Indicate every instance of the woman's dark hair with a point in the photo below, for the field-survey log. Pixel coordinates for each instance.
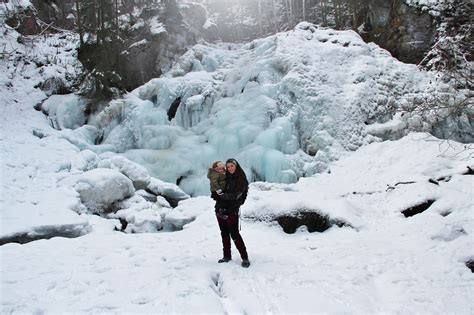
(242, 182)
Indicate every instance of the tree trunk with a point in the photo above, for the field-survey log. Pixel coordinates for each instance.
(79, 23)
(304, 10)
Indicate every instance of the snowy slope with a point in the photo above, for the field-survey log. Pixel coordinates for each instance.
(33, 158)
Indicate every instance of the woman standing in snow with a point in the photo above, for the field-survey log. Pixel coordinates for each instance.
(227, 210)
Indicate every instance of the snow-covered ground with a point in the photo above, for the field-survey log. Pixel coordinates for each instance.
(379, 262)
(384, 263)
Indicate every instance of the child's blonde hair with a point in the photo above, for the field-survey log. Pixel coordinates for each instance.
(217, 164)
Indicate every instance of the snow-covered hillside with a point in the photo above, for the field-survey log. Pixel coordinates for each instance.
(273, 104)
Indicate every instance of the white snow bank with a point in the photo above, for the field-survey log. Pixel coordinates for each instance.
(379, 180)
(41, 213)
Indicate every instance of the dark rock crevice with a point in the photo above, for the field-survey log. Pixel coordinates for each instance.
(46, 232)
(469, 171)
(174, 108)
(314, 221)
(470, 265)
(418, 208)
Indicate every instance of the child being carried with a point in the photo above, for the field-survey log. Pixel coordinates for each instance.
(216, 175)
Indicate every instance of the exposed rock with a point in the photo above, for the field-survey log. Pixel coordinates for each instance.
(49, 15)
(196, 17)
(24, 22)
(55, 85)
(144, 51)
(174, 108)
(407, 32)
(470, 265)
(418, 208)
(59, 12)
(469, 171)
(314, 221)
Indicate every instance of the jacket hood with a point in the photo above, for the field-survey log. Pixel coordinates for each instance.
(209, 172)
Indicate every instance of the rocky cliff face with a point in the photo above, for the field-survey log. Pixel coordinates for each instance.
(145, 49)
(406, 31)
(148, 46)
(145, 46)
(146, 43)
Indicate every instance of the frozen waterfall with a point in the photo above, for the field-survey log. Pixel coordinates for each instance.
(284, 106)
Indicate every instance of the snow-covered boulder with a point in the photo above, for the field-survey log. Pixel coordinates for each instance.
(85, 161)
(100, 188)
(55, 85)
(171, 191)
(86, 137)
(138, 215)
(146, 195)
(187, 211)
(135, 172)
(65, 111)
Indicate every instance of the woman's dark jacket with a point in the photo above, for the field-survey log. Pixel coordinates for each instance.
(235, 192)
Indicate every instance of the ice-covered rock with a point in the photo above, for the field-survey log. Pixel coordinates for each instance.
(85, 138)
(65, 111)
(86, 160)
(138, 215)
(100, 188)
(187, 211)
(146, 195)
(170, 191)
(135, 172)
